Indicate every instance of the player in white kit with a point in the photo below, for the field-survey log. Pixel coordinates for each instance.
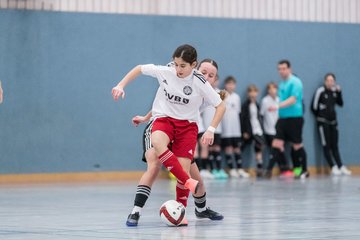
(215, 159)
(175, 111)
(269, 122)
(231, 130)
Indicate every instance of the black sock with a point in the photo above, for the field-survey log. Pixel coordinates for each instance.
(204, 163)
(229, 161)
(218, 159)
(295, 159)
(200, 202)
(238, 160)
(198, 163)
(211, 160)
(142, 194)
(275, 157)
(300, 156)
(283, 163)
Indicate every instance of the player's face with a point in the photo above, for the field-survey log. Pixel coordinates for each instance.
(209, 71)
(253, 95)
(230, 87)
(272, 91)
(284, 71)
(183, 69)
(329, 82)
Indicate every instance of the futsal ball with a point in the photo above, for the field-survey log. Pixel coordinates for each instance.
(172, 213)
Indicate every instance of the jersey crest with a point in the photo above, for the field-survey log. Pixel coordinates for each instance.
(187, 90)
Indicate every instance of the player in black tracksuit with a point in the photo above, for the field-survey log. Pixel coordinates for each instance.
(323, 106)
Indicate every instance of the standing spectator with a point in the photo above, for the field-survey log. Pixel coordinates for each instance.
(251, 127)
(323, 106)
(290, 124)
(231, 130)
(269, 122)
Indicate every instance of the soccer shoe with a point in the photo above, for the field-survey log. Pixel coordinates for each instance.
(259, 172)
(287, 174)
(184, 223)
(243, 174)
(133, 219)
(304, 175)
(206, 174)
(268, 174)
(192, 185)
(345, 171)
(208, 213)
(335, 171)
(297, 171)
(222, 174)
(216, 174)
(233, 173)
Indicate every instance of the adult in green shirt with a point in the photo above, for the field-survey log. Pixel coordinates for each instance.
(290, 123)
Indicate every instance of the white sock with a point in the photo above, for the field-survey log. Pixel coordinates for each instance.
(136, 209)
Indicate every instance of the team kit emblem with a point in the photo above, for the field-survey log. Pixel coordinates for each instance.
(187, 90)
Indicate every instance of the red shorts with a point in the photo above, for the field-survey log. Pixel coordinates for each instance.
(182, 134)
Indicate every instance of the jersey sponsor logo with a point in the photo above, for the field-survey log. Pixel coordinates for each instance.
(187, 90)
(176, 99)
(165, 82)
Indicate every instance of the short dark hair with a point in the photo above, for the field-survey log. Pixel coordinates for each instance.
(329, 74)
(186, 52)
(229, 79)
(208, 60)
(285, 61)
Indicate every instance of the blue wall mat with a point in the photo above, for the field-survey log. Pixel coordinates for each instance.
(58, 69)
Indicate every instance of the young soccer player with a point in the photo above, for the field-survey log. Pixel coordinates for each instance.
(251, 127)
(149, 176)
(231, 133)
(324, 102)
(215, 160)
(269, 122)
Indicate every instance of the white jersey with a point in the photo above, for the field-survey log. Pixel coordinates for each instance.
(179, 98)
(208, 115)
(231, 120)
(269, 118)
(200, 124)
(254, 120)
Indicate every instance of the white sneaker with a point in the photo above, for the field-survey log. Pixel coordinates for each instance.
(345, 171)
(335, 171)
(206, 174)
(233, 173)
(243, 174)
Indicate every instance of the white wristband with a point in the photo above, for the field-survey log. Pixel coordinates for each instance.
(211, 129)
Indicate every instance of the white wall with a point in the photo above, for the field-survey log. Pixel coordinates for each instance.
(341, 11)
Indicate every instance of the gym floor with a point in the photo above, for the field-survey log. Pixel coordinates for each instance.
(317, 208)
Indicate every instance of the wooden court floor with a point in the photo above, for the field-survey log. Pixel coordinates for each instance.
(317, 208)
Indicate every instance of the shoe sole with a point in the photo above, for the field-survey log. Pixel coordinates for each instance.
(131, 224)
(213, 219)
